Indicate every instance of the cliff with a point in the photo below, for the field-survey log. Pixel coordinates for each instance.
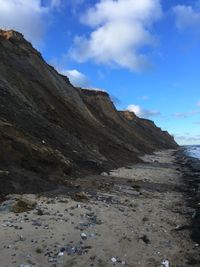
(102, 108)
(153, 135)
(50, 131)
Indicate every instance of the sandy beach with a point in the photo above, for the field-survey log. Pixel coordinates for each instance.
(133, 216)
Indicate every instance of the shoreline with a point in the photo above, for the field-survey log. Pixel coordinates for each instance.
(190, 168)
(138, 215)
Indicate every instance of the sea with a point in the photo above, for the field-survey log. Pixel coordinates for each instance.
(193, 151)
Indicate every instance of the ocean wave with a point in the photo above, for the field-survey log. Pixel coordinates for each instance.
(193, 151)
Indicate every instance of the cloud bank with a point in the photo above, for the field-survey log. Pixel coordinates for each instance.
(76, 78)
(188, 139)
(187, 17)
(120, 29)
(26, 16)
(141, 112)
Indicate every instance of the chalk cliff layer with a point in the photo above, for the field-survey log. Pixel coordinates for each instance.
(50, 130)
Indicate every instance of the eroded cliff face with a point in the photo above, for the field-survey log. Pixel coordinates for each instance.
(139, 134)
(153, 135)
(102, 108)
(50, 131)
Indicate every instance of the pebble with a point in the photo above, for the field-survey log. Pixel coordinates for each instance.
(60, 254)
(113, 259)
(165, 263)
(83, 236)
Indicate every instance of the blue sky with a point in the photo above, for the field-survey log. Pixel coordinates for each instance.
(144, 53)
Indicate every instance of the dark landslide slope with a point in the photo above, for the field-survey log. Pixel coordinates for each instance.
(51, 131)
(142, 134)
(153, 136)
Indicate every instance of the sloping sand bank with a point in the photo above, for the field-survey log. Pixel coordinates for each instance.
(133, 216)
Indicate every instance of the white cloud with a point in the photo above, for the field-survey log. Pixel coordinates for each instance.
(141, 112)
(120, 29)
(198, 103)
(187, 17)
(76, 78)
(26, 16)
(187, 140)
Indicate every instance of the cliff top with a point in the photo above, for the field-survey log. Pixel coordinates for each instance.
(11, 34)
(93, 91)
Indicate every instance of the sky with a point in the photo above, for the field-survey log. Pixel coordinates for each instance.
(145, 53)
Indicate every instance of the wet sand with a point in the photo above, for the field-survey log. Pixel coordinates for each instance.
(134, 216)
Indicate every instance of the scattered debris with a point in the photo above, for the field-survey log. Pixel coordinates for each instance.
(77, 249)
(182, 227)
(165, 263)
(83, 221)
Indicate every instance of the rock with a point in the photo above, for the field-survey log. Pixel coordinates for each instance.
(165, 263)
(40, 212)
(60, 254)
(83, 236)
(39, 250)
(145, 239)
(93, 257)
(80, 197)
(145, 219)
(114, 260)
(68, 183)
(4, 173)
(104, 173)
(23, 205)
(21, 238)
(2, 198)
